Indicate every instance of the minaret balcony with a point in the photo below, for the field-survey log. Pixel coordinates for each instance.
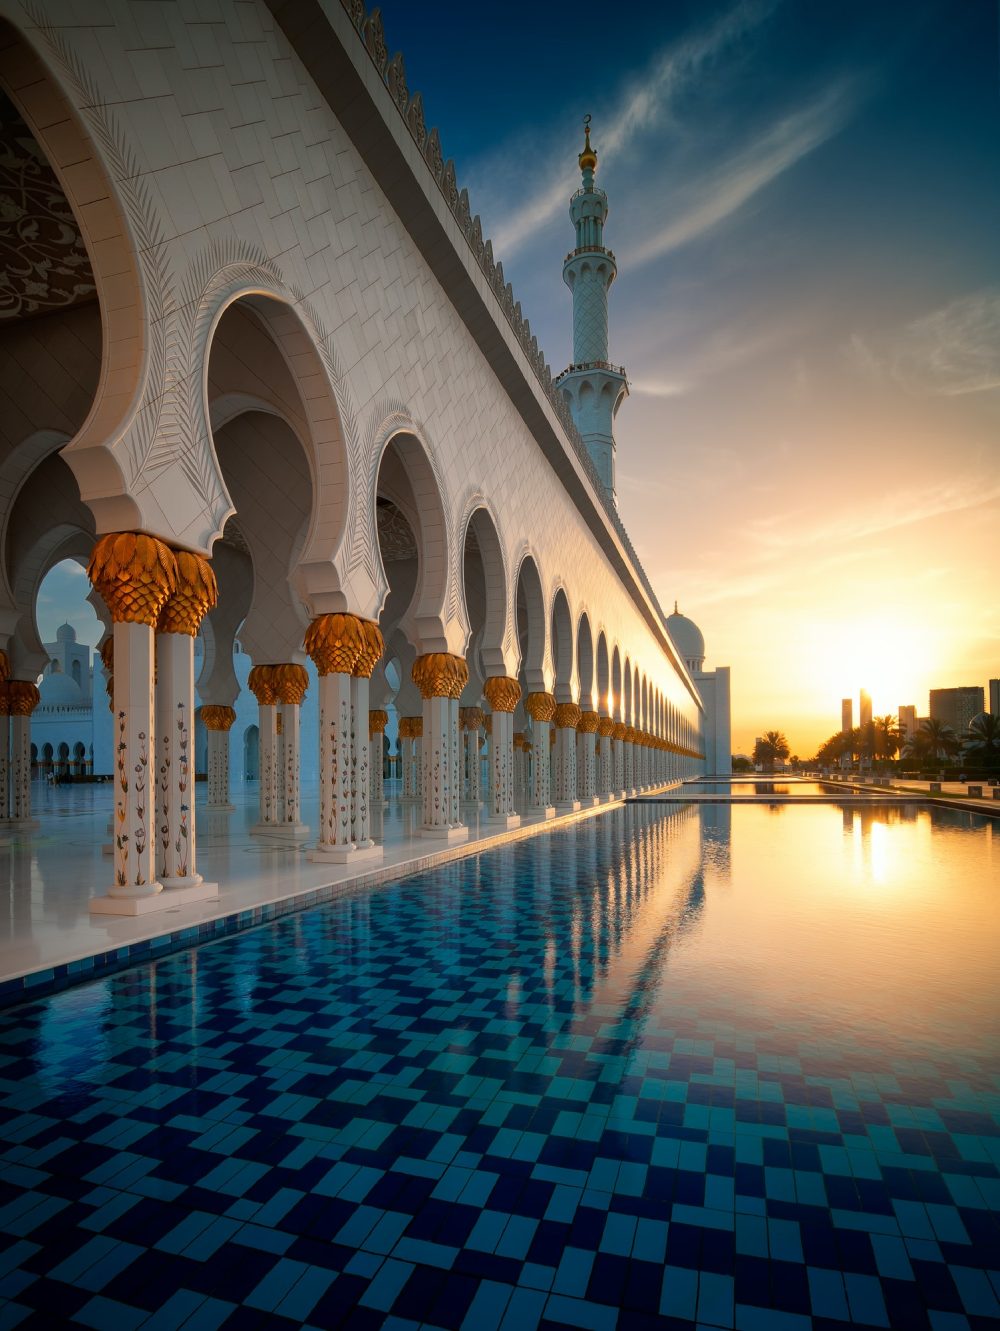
(590, 249)
(585, 367)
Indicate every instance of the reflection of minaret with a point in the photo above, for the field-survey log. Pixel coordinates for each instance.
(593, 388)
(717, 833)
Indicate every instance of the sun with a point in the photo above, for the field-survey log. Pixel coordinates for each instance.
(888, 656)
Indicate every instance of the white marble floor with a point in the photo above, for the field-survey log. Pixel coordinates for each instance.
(49, 874)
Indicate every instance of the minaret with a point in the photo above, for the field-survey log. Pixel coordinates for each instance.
(593, 388)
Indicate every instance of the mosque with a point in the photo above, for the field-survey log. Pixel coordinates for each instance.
(263, 377)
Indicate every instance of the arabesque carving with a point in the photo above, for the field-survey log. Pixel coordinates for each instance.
(378, 719)
(371, 651)
(22, 696)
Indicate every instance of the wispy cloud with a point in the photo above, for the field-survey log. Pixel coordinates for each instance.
(731, 185)
(951, 351)
(645, 103)
(657, 387)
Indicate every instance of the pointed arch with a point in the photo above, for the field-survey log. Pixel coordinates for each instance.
(530, 621)
(603, 702)
(585, 662)
(563, 648)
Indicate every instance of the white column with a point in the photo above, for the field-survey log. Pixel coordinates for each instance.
(175, 817)
(217, 760)
(629, 751)
(5, 759)
(437, 776)
(290, 751)
(606, 765)
(455, 767)
(541, 783)
(586, 773)
(566, 718)
(361, 749)
(135, 787)
(267, 730)
(502, 771)
(335, 753)
(377, 720)
(20, 770)
(618, 757)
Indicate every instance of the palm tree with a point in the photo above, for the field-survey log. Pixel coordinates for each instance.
(982, 740)
(887, 736)
(769, 747)
(933, 740)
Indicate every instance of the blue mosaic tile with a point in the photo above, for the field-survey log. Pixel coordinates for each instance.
(445, 1104)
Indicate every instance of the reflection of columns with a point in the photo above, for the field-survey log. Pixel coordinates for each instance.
(177, 626)
(541, 707)
(135, 575)
(606, 761)
(337, 644)
(586, 777)
(218, 721)
(290, 682)
(502, 694)
(411, 730)
(22, 697)
(378, 719)
(361, 745)
(618, 757)
(441, 677)
(261, 684)
(567, 717)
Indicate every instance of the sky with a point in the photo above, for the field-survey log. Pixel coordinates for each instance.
(805, 206)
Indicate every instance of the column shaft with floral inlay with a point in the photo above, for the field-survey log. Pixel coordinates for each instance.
(21, 697)
(5, 756)
(567, 717)
(260, 682)
(361, 751)
(411, 730)
(502, 693)
(471, 721)
(179, 620)
(629, 749)
(378, 719)
(135, 575)
(218, 721)
(586, 766)
(618, 757)
(290, 683)
(441, 677)
(541, 707)
(605, 758)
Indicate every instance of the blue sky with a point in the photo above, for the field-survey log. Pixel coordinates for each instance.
(805, 205)
(805, 201)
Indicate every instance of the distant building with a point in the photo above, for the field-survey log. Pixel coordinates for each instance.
(957, 707)
(715, 689)
(907, 723)
(846, 716)
(865, 709)
(63, 723)
(995, 696)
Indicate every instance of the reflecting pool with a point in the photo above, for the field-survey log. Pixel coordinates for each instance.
(676, 1065)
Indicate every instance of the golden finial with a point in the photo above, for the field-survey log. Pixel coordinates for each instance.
(588, 158)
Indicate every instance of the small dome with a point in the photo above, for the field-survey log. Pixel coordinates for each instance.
(687, 638)
(65, 633)
(58, 689)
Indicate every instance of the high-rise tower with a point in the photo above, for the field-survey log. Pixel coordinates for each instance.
(593, 388)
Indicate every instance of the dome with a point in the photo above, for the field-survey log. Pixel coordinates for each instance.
(58, 689)
(65, 633)
(687, 638)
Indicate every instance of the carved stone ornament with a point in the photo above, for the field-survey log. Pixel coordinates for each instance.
(518, 739)
(588, 723)
(260, 682)
(378, 719)
(290, 682)
(135, 575)
(108, 653)
(372, 650)
(22, 697)
(567, 716)
(540, 706)
(335, 643)
(440, 675)
(411, 727)
(605, 727)
(471, 718)
(619, 730)
(4, 667)
(502, 693)
(217, 717)
(197, 592)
